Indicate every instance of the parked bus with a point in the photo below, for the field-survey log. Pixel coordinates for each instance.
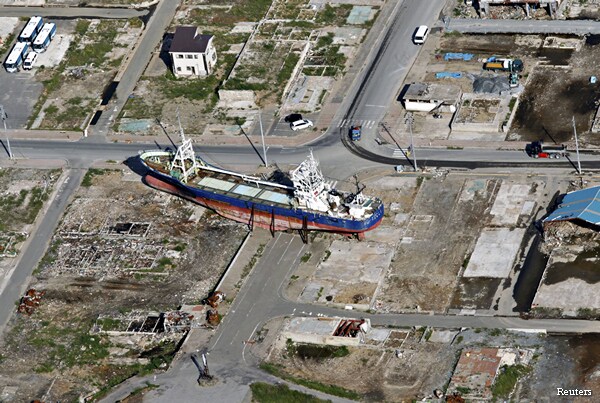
(44, 37)
(33, 27)
(16, 56)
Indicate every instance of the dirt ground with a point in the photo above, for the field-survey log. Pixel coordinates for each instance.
(56, 347)
(424, 270)
(567, 362)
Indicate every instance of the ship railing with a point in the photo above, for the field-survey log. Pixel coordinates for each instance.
(247, 178)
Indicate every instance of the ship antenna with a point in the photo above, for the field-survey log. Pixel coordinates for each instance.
(184, 164)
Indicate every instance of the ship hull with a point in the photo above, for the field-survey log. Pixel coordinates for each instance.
(262, 215)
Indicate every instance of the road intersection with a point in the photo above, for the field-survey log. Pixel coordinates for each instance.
(261, 297)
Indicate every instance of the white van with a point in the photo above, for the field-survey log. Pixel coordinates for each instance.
(420, 35)
(30, 60)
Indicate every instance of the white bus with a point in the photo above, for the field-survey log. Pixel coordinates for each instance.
(34, 25)
(44, 37)
(16, 56)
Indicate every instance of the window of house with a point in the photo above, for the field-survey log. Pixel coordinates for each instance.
(189, 68)
(188, 56)
(195, 56)
(178, 68)
(180, 56)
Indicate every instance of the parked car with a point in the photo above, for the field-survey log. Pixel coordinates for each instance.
(301, 124)
(30, 60)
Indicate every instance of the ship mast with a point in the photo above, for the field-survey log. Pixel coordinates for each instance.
(184, 163)
(310, 184)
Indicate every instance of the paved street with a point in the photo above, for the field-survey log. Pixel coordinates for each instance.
(572, 27)
(71, 12)
(261, 299)
(151, 37)
(14, 285)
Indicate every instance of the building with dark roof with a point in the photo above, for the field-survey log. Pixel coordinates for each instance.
(192, 54)
(580, 206)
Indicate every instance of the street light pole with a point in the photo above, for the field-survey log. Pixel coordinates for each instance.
(262, 136)
(409, 120)
(3, 117)
(576, 147)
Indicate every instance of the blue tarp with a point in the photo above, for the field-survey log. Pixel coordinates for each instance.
(583, 204)
(448, 74)
(458, 56)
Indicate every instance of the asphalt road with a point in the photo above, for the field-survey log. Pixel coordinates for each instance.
(489, 26)
(260, 299)
(157, 26)
(392, 61)
(72, 12)
(13, 287)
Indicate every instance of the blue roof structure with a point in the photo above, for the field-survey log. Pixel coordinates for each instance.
(581, 204)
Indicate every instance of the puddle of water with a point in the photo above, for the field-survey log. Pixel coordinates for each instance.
(587, 348)
(586, 267)
(592, 40)
(529, 277)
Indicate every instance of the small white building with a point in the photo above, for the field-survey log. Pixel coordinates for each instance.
(425, 97)
(192, 54)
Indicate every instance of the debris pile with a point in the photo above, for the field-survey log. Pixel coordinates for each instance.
(215, 299)
(30, 301)
(178, 321)
(212, 317)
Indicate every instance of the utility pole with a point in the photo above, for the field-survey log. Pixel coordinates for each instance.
(576, 147)
(409, 120)
(262, 136)
(4, 117)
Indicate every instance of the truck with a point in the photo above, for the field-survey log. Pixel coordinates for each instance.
(503, 65)
(538, 149)
(355, 133)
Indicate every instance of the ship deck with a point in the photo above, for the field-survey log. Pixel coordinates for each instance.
(234, 186)
(243, 189)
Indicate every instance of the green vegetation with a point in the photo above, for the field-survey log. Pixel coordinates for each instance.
(67, 347)
(327, 254)
(108, 324)
(21, 208)
(89, 175)
(306, 257)
(463, 390)
(101, 42)
(242, 10)
(251, 264)
(4, 48)
(315, 351)
(331, 15)
(267, 393)
(277, 370)
(507, 379)
(459, 339)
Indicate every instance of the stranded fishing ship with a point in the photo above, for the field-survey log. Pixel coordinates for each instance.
(302, 201)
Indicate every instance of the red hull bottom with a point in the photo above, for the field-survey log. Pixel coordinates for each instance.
(247, 216)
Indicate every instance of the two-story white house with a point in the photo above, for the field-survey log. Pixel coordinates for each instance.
(192, 54)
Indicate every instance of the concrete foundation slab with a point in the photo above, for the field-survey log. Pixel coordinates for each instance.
(495, 253)
(509, 203)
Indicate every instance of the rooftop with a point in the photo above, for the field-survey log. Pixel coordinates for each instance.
(187, 39)
(432, 91)
(581, 204)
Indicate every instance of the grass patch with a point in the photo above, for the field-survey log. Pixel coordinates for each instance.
(89, 176)
(507, 379)
(306, 257)
(21, 208)
(4, 48)
(267, 393)
(277, 370)
(318, 352)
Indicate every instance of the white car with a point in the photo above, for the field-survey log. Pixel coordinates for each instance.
(301, 124)
(29, 60)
